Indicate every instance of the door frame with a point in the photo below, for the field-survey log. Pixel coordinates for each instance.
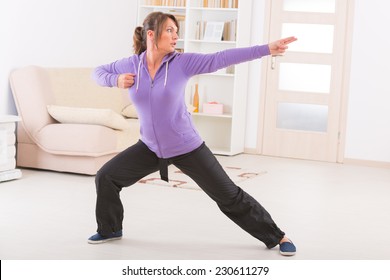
(346, 69)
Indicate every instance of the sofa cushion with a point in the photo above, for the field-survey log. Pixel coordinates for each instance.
(75, 115)
(78, 139)
(130, 112)
(130, 136)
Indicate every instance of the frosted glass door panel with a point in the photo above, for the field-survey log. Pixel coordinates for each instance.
(314, 78)
(316, 38)
(314, 6)
(307, 117)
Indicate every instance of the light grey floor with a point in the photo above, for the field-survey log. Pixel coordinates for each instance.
(330, 211)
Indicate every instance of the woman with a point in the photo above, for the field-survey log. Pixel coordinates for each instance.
(156, 77)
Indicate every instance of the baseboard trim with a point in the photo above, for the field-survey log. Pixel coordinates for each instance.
(370, 163)
(351, 161)
(252, 151)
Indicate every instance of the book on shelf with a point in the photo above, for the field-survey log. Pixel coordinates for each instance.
(181, 20)
(230, 31)
(200, 29)
(230, 4)
(173, 3)
(211, 30)
(230, 69)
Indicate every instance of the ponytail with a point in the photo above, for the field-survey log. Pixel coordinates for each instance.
(139, 40)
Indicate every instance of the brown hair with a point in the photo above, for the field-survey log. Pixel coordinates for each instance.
(155, 22)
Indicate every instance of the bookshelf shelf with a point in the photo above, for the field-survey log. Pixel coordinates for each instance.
(227, 116)
(219, 75)
(212, 42)
(170, 8)
(234, 10)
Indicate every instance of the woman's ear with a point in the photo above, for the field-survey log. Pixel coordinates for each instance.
(150, 37)
(150, 34)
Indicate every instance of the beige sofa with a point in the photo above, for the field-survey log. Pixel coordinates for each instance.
(85, 127)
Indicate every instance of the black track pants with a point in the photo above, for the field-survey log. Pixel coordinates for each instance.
(137, 161)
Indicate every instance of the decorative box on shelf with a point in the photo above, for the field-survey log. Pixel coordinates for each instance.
(8, 149)
(213, 108)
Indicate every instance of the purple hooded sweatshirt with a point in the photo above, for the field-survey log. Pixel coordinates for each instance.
(166, 126)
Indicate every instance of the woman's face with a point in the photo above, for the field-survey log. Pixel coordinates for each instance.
(168, 39)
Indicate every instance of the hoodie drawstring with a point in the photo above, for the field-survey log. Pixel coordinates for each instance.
(139, 71)
(166, 73)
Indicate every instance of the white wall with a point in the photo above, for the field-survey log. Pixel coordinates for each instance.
(368, 126)
(62, 33)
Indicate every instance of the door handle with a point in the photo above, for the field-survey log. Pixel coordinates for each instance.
(273, 61)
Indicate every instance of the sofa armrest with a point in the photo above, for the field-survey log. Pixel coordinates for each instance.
(32, 91)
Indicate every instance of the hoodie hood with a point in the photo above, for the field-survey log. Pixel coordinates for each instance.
(142, 63)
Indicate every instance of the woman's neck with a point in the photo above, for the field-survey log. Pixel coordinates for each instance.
(154, 58)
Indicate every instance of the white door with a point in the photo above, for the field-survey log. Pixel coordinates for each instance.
(304, 86)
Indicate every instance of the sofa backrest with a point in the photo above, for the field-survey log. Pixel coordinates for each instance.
(31, 89)
(75, 87)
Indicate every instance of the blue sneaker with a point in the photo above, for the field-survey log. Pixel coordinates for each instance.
(287, 248)
(98, 238)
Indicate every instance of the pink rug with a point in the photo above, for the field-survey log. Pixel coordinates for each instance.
(178, 179)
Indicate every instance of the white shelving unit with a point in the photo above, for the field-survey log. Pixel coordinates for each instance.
(8, 148)
(224, 134)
